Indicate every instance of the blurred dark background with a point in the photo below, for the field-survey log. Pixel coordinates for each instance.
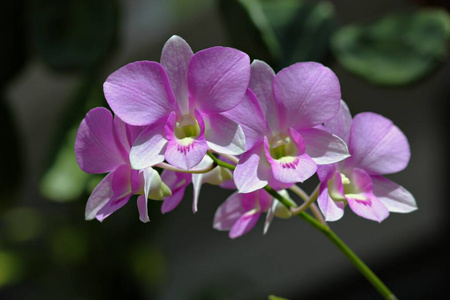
(391, 58)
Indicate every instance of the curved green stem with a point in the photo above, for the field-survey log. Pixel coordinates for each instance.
(354, 259)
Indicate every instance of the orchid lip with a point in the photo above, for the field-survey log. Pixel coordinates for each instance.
(282, 148)
(187, 128)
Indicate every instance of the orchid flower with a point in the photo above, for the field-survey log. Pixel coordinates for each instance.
(102, 145)
(377, 147)
(240, 212)
(181, 102)
(287, 143)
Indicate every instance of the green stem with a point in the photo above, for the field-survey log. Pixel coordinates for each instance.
(354, 259)
(220, 162)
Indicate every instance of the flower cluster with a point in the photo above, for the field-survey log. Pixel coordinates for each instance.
(190, 110)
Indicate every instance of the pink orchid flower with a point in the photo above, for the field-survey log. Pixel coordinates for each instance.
(181, 101)
(102, 145)
(377, 147)
(284, 142)
(240, 212)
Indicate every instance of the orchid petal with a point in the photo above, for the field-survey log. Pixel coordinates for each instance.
(325, 172)
(255, 127)
(111, 207)
(142, 208)
(323, 147)
(261, 83)
(95, 147)
(115, 185)
(151, 178)
(269, 216)
(217, 79)
(175, 58)
(228, 212)
(140, 93)
(341, 123)
(331, 210)
(149, 147)
(292, 169)
(185, 153)
(121, 134)
(253, 171)
(244, 224)
(377, 145)
(307, 95)
(197, 181)
(395, 197)
(371, 208)
(177, 182)
(224, 135)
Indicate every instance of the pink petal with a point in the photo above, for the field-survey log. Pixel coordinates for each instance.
(341, 123)
(295, 168)
(261, 83)
(152, 181)
(140, 93)
(142, 208)
(217, 79)
(96, 149)
(121, 135)
(175, 58)
(224, 135)
(325, 172)
(307, 94)
(395, 197)
(331, 210)
(228, 212)
(177, 182)
(244, 224)
(185, 154)
(255, 127)
(111, 207)
(377, 145)
(323, 147)
(116, 185)
(253, 171)
(371, 208)
(149, 147)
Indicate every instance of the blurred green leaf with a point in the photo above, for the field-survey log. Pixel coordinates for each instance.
(149, 265)
(65, 181)
(11, 268)
(23, 224)
(272, 297)
(280, 32)
(69, 245)
(397, 49)
(74, 34)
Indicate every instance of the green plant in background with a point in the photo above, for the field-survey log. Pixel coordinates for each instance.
(394, 50)
(397, 49)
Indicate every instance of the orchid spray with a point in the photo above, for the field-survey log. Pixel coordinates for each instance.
(212, 117)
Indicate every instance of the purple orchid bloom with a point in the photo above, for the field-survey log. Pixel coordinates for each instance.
(284, 141)
(240, 212)
(102, 145)
(182, 102)
(377, 147)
